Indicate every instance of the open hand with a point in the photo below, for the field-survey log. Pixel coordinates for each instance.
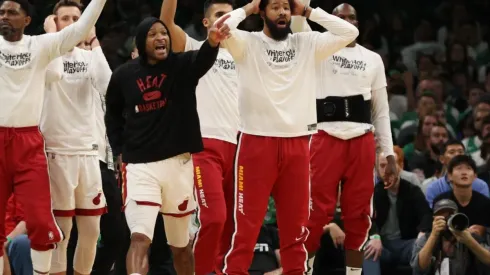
(219, 31)
(338, 236)
(463, 237)
(50, 24)
(373, 249)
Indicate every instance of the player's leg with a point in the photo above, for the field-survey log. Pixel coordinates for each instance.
(32, 189)
(229, 152)
(89, 206)
(63, 175)
(5, 190)
(255, 172)
(208, 181)
(327, 166)
(142, 202)
(178, 202)
(292, 197)
(356, 199)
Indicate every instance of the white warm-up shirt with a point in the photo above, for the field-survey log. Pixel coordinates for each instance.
(355, 71)
(69, 122)
(277, 79)
(217, 99)
(105, 150)
(23, 66)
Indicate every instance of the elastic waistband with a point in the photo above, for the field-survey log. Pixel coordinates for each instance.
(19, 129)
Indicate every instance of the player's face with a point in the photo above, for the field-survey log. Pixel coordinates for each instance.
(348, 14)
(214, 12)
(277, 18)
(157, 42)
(65, 16)
(462, 175)
(12, 18)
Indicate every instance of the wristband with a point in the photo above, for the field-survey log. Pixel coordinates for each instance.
(8, 240)
(304, 11)
(375, 237)
(92, 40)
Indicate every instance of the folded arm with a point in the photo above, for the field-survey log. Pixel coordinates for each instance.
(114, 117)
(167, 15)
(59, 43)
(340, 33)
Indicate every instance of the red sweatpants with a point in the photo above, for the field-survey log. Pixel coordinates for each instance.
(213, 178)
(24, 171)
(351, 162)
(265, 166)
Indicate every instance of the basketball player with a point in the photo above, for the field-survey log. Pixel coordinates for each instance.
(72, 145)
(351, 91)
(217, 106)
(23, 167)
(160, 126)
(276, 100)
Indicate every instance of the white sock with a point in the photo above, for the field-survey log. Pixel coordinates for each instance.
(310, 265)
(353, 270)
(1, 265)
(41, 261)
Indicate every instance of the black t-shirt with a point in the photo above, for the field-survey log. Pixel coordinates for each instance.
(476, 210)
(265, 259)
(151, 112)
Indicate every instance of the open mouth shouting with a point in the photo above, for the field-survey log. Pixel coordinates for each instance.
(282, 23)
(161, 48)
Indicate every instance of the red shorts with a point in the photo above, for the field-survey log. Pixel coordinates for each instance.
(350, 162)
(24, 171)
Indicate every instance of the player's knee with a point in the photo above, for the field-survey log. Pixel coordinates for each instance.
(182, 254)
(88, 234)
(140, 242)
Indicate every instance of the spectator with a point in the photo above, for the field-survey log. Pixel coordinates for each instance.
(18, 246)
(485, 154)
(421, 137)
(449, 251)
(427, 160)
(266, 259)
(409, 123)
(405, 175)
(399, 211)
(450, 150)
(484, 130)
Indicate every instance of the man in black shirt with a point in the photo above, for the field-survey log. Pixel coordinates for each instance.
(157, 135)
(461, 174)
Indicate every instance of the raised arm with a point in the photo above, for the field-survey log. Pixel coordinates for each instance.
(299, 23)
(167, 15)
(56, 44)
(114, 117)
(236, 43)
(381, 110)
(340, 33)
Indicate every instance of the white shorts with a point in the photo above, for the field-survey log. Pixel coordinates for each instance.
(165, 186)
(76, 185)
(168, 184)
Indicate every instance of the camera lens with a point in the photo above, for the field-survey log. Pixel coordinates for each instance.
(458, 221)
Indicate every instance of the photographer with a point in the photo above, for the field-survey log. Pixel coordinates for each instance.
(453, 247)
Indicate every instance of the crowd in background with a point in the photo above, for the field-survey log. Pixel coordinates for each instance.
(437, 61)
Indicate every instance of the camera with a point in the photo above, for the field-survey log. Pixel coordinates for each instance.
(458, 222)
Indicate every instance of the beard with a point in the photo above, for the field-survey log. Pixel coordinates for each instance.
(6, 30)
(277, 33)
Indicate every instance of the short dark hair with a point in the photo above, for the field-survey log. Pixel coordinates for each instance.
(67, 3)
(450, 143)
(209, 3)
(24, 5)
(264, 3)
(461, 159)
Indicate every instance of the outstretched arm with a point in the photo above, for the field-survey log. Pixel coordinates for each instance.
(56, 44)
(340, 32)
(114, 119)
(167, 15)
(102, 71)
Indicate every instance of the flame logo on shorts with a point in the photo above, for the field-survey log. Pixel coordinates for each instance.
(183, 206)
(96, 200)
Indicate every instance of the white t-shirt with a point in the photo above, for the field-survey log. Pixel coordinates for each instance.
(216, 95)
(23, 66)
(105, 150)
(277, 79)
(357, 71)
(69, 122)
